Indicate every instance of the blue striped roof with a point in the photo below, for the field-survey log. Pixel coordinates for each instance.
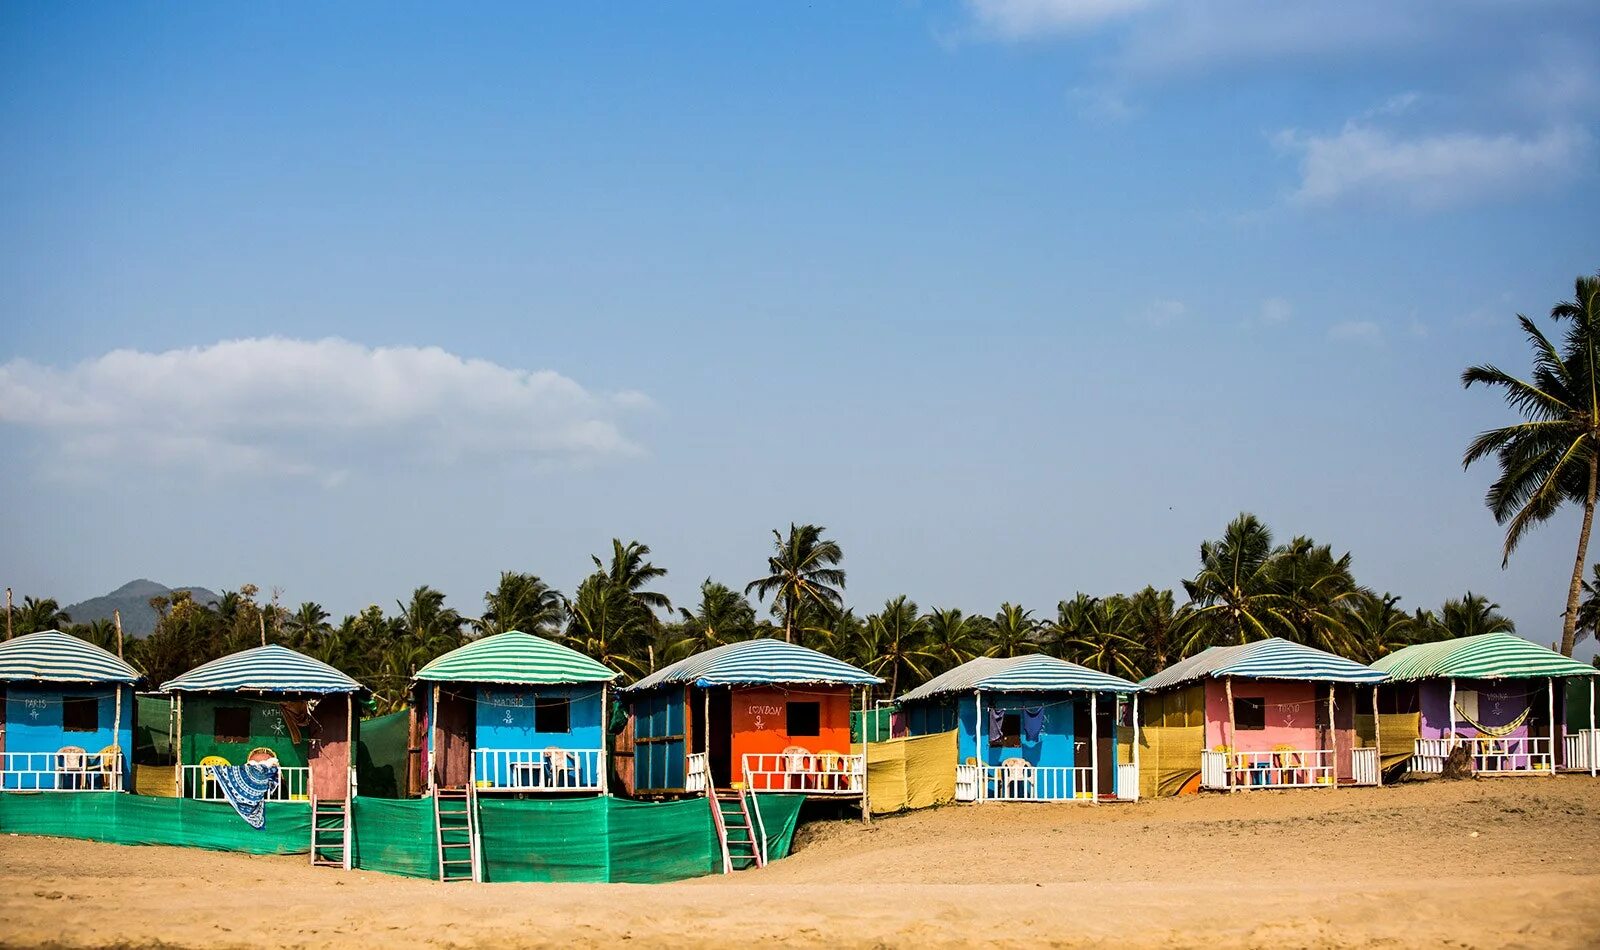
(268, 669)
(751, 662)
(1270, 659)
(51, 656)
(1034, 673)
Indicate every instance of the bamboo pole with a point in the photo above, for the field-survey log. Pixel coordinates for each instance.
(1377, 733)
(177, 745)
(8, 613)
(116, 618)
(1138, 735)
(1594, 736)
(705, 723)
(981, 733)
(261, 619)
(1333, 740)
(1452, 736)
(1550, 691)
(1094, 747)
(605, 741)
(866, 770)
(433, 740)
(1233, 731)
(116, 734)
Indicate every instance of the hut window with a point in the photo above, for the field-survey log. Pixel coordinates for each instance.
(80, 714)
(805, 719)
(231, 723)
(552, 715)
(1010, 730)
(1249, 712)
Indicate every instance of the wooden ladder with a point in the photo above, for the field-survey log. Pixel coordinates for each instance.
(740, 831)
(330, 829)
(455, 824)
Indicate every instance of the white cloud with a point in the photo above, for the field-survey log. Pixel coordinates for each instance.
(1102, 103)
(1275, 311)
(1029, 19)
(1161, 313)
(1356, 331)
(276, 406)
(1363, 162)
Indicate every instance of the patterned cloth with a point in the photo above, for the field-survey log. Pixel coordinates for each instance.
(247, 788)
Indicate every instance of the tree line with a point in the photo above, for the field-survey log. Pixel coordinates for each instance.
(1246, 587)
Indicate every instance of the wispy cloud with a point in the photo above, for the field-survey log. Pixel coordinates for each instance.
(313, 408)
(1363, 162)
(1275, 311)
(1160, 313)
(1031, 19)
(1356, 331)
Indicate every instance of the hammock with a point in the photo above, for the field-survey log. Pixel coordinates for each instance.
(247, 788)
(1494, 732)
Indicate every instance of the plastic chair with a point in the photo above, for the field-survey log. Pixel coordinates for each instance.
(797, 762)
(73, 762)
(110, 765)
(832, 770)
(208, 779)
(262, 754)
(1290, 761)
(1018, 777)
(561, 767)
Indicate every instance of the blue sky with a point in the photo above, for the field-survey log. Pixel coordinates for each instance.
(1018, 297)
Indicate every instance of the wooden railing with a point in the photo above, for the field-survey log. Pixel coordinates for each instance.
(294, 784)
(814, 773)
(1511, 755)
(537, 770)
(1280, 768)
(61, 772)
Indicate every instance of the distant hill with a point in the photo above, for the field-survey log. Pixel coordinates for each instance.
(133, 599)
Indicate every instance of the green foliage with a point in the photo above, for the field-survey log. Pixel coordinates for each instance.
(803, 575)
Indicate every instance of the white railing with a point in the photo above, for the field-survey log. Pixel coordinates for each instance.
(1364, 766)
(694, 780)
(1127, 783)
(1580, 751)
(814, 773)
(61, 772)
(1280, 768)
(1507, 756)
(294, 784)
(967, 783)
(536, 770)
(1037, 783)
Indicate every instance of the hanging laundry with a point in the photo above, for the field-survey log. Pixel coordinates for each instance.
(1032, 723)
(997, 720)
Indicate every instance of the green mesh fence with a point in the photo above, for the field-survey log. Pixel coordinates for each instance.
(137, 819)
(383, 754)
(876, 724)
(595, 840)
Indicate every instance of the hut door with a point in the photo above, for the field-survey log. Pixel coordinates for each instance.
(330, 749)
(1107, 740)
(453, 738)
(719, 737)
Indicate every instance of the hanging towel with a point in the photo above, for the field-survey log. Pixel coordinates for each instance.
(247, 788)
(1032, 723)
(997, 719)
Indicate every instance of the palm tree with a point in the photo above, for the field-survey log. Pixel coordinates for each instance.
(1013, 632)
(1376, 627)
(1316, 587)
(1235, 595)
(102, 633)
(307, 624)
(608, 626)
(802, 571)
(897, 639)
(521, 602)
(630, 572)
(1154, 622)
(38, 614)
(428, 620)
(1099, 640)
(723, 616)
(953, 637)
(1589, 610)
(1551, 457)
(1474, 614)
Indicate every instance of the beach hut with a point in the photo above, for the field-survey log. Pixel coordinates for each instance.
(66, 715)
(1268, 714)
(513, 712)
(1032, 728)
(762, 715)
(266, 702)
(1496, 694)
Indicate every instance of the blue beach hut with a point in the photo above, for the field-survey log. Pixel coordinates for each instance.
(66, 715)
(1032, 728)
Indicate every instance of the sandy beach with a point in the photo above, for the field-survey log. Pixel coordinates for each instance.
(1488, 863)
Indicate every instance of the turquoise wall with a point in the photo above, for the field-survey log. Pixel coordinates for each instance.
(33, 724)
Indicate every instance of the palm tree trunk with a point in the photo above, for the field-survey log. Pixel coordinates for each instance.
(788, 620)
(1569, 623)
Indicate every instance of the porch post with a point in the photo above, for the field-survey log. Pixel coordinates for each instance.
(978, 741)
(1550, 689)
(1333, 740)
(116, 727)
(1594, 738)
(866, 770)
(1452, 736)
(735, 769)
(1227, 764)
(177, 748)
(605, 738)
(1094, 747)
(433, 738)
(1377, 733)
(1137, 735)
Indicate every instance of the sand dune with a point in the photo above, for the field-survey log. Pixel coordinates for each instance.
(1491, 863)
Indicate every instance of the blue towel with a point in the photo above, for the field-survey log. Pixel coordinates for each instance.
(1032, 723)
(247, 788)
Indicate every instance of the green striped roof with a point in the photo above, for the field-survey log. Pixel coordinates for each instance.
(1488, 656)
(515, 657)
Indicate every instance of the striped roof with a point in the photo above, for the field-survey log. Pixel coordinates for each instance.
(751, 662)
(51, 656)
(268, 669)
(1270, 659)
(515, 657)
(1034, 673)
(1488, 656)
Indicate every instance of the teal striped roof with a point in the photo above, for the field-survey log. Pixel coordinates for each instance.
(51, 656)
(515, 657)
(754, 662)
(1488, 656)
(1034, 673)
(268, 669)
(1270, 659)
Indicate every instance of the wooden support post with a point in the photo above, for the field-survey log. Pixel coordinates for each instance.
(116, 736)
(1233, 729)
(1550, 689)
(8, 613)
(1094, 747)
(1138, 737)
(261, 619)
(1333, 740)
(1452, 734)
(350, 757)
(605, 740)
(981, 733)
(433, 741)
(866, 768)
(177, 744)
(1377, 734)
(735, 770)
(116, 620)
(1594, 736)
